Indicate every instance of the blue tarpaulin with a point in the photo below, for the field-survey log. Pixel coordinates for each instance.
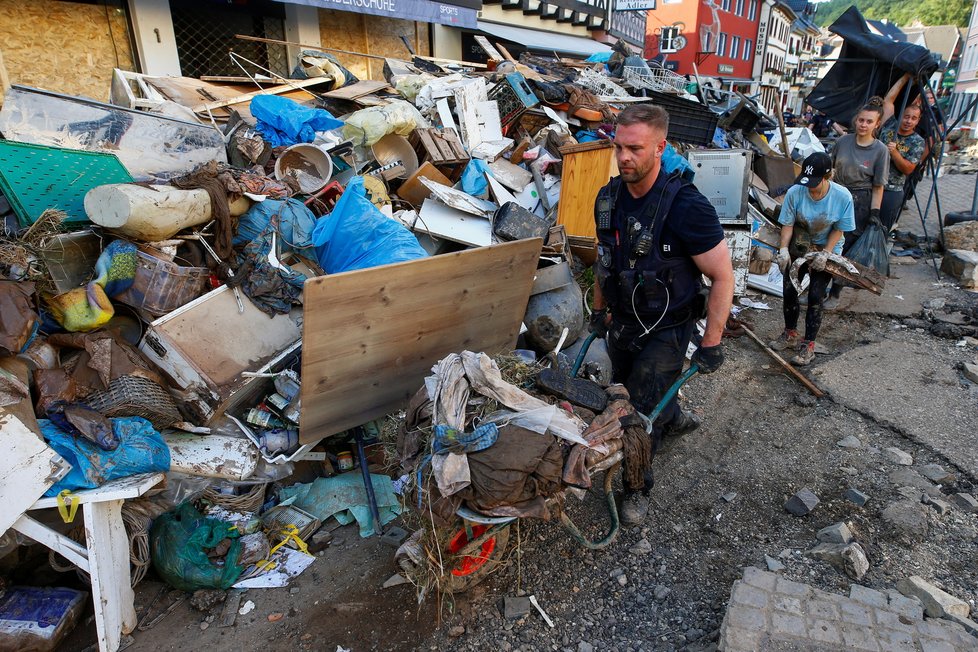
(283, 122)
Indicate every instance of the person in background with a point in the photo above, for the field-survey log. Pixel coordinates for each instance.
(861, 164)
(821, 210)
(906, 149)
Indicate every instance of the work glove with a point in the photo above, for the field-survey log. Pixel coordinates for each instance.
(817, 263)
(783, 259)
(709, 358)
(874, 216)
(599, 322)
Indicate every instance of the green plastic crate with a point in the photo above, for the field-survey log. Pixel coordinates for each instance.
(35, 178)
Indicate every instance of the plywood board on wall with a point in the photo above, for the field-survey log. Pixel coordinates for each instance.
(371, 336)
(376, 35)
(67, 47)
(586, 168)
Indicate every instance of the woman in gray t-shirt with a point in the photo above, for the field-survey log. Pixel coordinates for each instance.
(861, 164)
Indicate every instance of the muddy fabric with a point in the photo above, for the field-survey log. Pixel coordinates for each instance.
(409, 436)
(605, 427)
(517, 472)
(206, 177)
(100, 358)
(17, 316)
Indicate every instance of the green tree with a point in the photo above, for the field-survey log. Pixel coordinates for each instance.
(901, 12)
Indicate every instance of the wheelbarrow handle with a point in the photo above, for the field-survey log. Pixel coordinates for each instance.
(668, 396)
(580, 356)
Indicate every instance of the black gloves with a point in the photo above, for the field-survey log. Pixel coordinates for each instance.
(709, 358)
(874, 216)
(599, 322)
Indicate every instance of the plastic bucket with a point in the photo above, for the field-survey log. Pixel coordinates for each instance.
(393, 148)
(309, 166)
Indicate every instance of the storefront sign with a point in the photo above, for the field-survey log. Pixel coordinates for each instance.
(425, 11)
(725, 69)
(634, 5)
(761, 35)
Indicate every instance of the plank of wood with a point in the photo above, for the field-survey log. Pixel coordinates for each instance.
(414, 191)
(460, 200)
(584, 173)
(443, 221)
(586, 147)
(371, 336)
(359, 89)
(245, 37)
(487, 47)
(131, 486)
(28, 467)
(275, 90)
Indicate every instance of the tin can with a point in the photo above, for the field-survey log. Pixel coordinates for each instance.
(293, 411)
(263, 419)
(345, 460)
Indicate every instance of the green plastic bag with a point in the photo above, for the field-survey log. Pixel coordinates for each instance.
(179, 542)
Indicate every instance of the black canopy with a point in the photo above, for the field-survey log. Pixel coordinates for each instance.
(868, 65)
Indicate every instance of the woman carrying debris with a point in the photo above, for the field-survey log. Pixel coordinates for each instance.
(906, 149)
(861, 164)
(814, 216)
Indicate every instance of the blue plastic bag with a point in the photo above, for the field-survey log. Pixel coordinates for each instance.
(295, 224)
(356, 235)
(474, 178)
(283, 122)
(141, 450)
(672, 161)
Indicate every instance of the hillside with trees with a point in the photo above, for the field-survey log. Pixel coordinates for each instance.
(901, 12)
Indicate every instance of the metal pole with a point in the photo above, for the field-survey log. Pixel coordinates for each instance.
(367, 483)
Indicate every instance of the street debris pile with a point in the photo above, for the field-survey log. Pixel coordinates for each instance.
(204, 349)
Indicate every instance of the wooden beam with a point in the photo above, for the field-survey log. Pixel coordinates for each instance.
(277, 90)
(245, 37)
(784, 363)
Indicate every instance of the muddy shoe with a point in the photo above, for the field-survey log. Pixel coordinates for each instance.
(788, 340)
(634, 508)
(805, 355)
(684, 424)
(579, 391)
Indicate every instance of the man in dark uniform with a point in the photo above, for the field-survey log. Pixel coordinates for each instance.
(657, 236)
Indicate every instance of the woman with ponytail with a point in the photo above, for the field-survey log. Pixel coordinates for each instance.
(862, 164)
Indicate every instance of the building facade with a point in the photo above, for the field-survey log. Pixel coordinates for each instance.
(771, 56)
(966, 86)
(718, 37)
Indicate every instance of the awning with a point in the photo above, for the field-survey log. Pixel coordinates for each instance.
(547, 41)
(425, 11)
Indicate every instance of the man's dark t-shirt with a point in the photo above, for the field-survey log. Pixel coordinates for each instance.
(692, 227)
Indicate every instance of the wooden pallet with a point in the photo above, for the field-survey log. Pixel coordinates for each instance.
(443, 149)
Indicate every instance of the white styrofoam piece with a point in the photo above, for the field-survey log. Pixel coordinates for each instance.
(443, 221)
(499, 192)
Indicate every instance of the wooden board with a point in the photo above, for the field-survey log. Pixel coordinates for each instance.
(442, 146)
(371, 336)
(585, 171)
(28, 467)
(413, 191)
(359, 89)
(441, 221)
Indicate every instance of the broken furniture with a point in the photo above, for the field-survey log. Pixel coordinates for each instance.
(586, 168)
(105, 554)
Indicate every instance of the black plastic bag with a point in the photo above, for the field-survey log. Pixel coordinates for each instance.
(870, 249)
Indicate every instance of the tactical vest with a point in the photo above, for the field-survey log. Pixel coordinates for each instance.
(635, 276)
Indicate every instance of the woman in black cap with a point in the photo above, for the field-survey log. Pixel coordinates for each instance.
(815, 215)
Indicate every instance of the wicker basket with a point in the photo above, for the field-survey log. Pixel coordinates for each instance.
(247, 502)
(135, 396)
